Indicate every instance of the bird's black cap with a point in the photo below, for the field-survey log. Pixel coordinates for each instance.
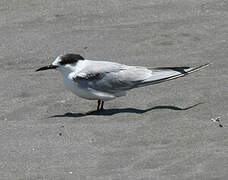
(70, 58)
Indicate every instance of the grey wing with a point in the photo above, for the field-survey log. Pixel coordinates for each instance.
(110, 77)
(111, 82)
(127, 77)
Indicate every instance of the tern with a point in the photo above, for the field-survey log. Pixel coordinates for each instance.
(104, 80)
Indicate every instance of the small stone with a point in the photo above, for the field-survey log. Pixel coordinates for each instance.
(217, 120)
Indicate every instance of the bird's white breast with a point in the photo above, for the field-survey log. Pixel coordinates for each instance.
(85, 92)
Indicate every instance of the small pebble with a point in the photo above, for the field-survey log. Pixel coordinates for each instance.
(217, 120)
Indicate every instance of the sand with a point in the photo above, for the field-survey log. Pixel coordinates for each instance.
(159, 132)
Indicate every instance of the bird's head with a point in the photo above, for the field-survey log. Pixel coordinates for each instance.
(63, 62)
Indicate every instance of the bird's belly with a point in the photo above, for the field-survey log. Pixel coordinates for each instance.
(86, 93)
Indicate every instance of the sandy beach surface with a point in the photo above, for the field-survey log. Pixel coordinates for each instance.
(160, 132)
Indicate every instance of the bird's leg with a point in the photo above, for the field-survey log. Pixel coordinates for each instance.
(98, 105)
(102, 105)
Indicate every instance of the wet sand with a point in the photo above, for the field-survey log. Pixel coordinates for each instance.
(153, 132)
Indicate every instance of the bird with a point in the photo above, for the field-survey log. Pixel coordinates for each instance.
(105, 80)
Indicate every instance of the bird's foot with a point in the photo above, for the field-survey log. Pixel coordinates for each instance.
(100, 105)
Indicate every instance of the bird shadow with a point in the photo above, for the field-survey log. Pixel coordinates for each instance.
(109, 112)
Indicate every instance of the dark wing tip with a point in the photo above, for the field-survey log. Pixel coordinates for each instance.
(178, 69)
(199, 67)
(184, 69)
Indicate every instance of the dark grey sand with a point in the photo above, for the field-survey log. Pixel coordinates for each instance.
(151, 133)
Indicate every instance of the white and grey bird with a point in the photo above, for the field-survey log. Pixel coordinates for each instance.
(103, 80)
